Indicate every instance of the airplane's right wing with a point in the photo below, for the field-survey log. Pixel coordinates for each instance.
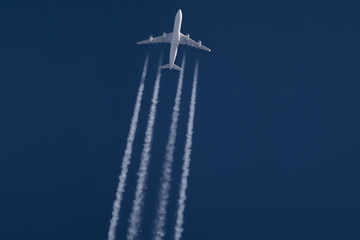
(165, 38)
(186, 40)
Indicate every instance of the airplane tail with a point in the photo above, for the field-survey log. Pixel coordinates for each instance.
(167, 66)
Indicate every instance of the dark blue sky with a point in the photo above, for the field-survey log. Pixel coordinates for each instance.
(276, 141)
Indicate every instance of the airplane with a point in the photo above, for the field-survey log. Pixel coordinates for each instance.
(175, 38)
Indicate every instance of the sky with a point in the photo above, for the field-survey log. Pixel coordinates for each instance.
(276, 137)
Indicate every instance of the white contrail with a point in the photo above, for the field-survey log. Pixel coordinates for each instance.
(186, 165)
(159, 231)
(127, 156)
(135, 216)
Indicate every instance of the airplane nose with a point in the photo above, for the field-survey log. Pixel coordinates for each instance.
(179, 12)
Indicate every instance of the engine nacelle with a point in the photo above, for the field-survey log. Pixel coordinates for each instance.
(150, 38)
(187, 36)
(199, 43)
(164, 35)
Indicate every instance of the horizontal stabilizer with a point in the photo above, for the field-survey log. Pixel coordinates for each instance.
(168, 66)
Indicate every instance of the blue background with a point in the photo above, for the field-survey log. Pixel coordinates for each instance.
(276, 143)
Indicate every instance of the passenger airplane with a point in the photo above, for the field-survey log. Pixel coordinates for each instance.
(175, 38)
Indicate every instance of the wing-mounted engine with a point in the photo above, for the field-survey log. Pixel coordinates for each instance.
(187, 36)
(199, 43)
(151, 38)
(164, 35)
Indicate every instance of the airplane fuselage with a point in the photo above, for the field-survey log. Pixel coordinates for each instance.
(175, 38)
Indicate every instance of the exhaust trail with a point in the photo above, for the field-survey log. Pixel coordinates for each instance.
(186, 165)
(135, 217)
(127, 156)
(160, 219)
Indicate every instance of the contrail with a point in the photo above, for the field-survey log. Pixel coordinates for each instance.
(186, 165)
(159, 231)
(127, 156)
(135, 217)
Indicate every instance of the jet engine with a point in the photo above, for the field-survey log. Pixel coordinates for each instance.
(199, 43)
(150, 38)
(164, 35)
(187, 36)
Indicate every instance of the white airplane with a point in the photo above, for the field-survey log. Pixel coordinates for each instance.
(175, 38)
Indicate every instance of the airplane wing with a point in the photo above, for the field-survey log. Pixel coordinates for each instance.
(164, 38)
(186, 40)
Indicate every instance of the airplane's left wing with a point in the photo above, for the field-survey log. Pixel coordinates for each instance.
(186, 40)
(164, 38)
